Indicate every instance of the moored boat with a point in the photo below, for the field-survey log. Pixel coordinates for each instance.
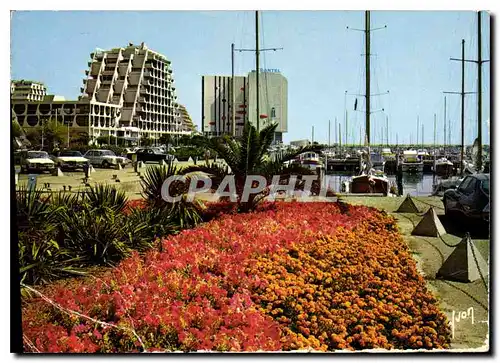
(443, 167)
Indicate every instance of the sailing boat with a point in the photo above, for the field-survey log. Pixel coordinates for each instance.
(370, 179)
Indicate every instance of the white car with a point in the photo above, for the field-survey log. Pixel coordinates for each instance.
(71, 160)
(105, 158)
(37, 161)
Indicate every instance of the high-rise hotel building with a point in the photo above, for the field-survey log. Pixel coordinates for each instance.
(141, 82)
(216, 103)
(129, 92)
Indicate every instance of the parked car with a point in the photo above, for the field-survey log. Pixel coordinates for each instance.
(105, 158)
(470, 199)
(36, 161)
(149, 154)
(70, 160)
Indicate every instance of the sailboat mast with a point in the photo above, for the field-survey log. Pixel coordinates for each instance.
(463, 109)
(233, 107)
(367, 65)
(346, 135)
(257, 67)
(340, 136)
(387, 130)
(479, 96)
(445, 125)
(329, 129)
(418, 127)
(435, 134)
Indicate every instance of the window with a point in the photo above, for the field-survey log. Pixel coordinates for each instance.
(38, 155)
(70, 153)
(468, 185)
(485, 185)
(273, 112)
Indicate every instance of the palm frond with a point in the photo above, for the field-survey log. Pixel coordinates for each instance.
(266, 137)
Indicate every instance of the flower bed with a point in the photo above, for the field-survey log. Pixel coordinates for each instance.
(290, 276)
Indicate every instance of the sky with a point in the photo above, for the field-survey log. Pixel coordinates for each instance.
(321, 60)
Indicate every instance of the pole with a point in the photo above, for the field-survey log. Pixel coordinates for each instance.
(422, 136)
(479, 96)
(340, 136)
(312, 137)
(435, 134)
(418, 127)
(233, 106)
(367, 65)
(345, 107)
(445, 126)
(257, 67)
(346, 137)
(387, 130)
(463, 109)
(329, 126)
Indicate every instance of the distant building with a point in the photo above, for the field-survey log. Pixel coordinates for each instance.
(185, 119)
(216, 103)
(27, 91)
(300, 143)
(273, 101)
(75, 114)
(216, 112)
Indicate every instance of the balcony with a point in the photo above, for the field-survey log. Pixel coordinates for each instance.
(91, 85)
(126, 114)
(102, 95)
(134, 78)
(129, 96)
(124, 69)
(95, 67)
(108, 71)
(120, 85)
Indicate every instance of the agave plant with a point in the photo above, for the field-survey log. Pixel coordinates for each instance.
(182, 213)
(96, 234)
(144, 225)
(103, 197)
(42, 261)
(34, 210)
(249, 156)
(41, 258)
(153, 181)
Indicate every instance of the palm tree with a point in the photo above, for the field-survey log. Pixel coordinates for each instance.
(249, 156)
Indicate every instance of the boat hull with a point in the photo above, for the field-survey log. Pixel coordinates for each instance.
(413, 167)
(444, 169)
(369, 184)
